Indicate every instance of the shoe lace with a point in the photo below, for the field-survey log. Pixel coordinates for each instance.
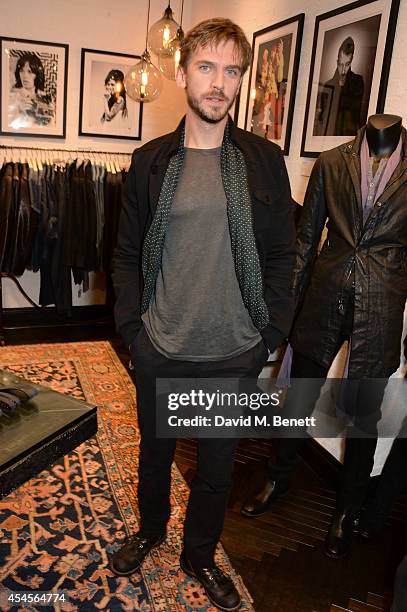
(137, 541)
(214, 574)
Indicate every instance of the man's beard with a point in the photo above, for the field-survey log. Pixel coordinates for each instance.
(214, 116)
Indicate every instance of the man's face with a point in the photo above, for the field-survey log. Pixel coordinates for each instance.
(343, 64)
(212, 79)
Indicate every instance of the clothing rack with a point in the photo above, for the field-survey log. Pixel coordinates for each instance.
(108, 158)
(114, 161)
(59, 149)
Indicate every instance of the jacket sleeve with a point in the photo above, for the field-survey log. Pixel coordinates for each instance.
(309, 230)
(279, 266)
(127, 263)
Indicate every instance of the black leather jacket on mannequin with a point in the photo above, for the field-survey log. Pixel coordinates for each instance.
(376, 252)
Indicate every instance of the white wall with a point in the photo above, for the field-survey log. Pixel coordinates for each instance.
(119, 27)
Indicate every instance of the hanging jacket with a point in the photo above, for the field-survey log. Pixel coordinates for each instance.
(19, 220)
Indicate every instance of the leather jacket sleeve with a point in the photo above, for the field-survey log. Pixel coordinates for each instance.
(127, 264)
(309, 230)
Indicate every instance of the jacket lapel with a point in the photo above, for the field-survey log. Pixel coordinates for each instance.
(155, 181)
(159, 167)
(351, 154)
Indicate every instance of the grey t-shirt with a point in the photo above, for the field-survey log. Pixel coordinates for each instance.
(197, 312)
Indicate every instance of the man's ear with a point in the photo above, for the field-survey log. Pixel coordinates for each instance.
(181, 78)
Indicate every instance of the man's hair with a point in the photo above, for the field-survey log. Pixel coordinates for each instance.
(211, 32)
(347, 47)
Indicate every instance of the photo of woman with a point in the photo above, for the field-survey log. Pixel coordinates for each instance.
(104, 108)
(115, 96)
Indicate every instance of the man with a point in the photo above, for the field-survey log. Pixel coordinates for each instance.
(202, 277)
(344, 94)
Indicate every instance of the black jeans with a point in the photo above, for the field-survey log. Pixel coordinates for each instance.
(367, 397)
(211, 485)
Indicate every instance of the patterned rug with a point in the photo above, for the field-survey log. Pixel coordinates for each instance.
(58, 530)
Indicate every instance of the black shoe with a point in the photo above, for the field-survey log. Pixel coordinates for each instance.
(219, 588)
(339, 537)
(260, 503)
(133, 552)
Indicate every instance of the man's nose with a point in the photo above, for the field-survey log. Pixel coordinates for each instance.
(218, 81)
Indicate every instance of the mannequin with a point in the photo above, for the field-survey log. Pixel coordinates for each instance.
(348, 298)
(383, 134)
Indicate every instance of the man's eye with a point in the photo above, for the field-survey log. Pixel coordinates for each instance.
(204, 68)
(232, 72)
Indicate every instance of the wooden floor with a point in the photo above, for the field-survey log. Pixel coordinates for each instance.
(279, 554)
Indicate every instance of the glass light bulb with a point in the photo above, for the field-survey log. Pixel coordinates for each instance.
(143, 82)
(161, 33)
(168, 63)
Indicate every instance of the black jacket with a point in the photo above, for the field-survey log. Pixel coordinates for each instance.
(347, 118)
(273, 225)
(18, 221)
(377, 252)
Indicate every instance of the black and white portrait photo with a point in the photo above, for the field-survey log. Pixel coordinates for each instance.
(32, 93)
(345, 78)
(33, 88)
(350, 62)
(105, 109)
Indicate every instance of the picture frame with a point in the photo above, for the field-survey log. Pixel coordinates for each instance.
(273, 80)
(33, 86)
(350, 64)
(104, 108)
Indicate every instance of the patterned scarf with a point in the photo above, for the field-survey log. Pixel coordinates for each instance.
(239, 211)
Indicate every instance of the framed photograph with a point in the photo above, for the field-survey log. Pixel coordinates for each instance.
(33, 81)
(349, 71)
(273, 81)
(105, 109)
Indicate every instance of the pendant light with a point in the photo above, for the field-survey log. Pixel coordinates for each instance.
(162, 32)
(143, 81)
(168, 63)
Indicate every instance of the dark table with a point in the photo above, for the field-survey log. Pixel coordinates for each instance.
(40, 432)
